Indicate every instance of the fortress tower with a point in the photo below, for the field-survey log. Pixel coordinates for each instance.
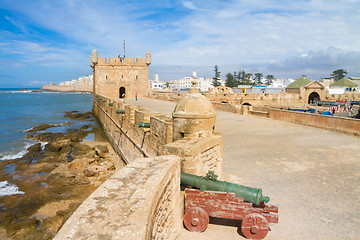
(120, 77)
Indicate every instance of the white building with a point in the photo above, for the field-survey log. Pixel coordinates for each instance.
(204, 84)
(84, 80)
(342, 86)
(156, 83)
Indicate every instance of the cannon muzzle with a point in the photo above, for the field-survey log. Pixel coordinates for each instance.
(253, 195)
(120, 111)
(144, 124)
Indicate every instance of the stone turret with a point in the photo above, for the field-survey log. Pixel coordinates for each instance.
(93, 58)
(193, 116)
(148, 58)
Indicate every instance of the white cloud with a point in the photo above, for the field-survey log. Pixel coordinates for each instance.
(189, 5)
(240, 34)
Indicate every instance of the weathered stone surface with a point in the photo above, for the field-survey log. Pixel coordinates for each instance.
(41, 127)
(101, 150)
(59, 145)
(80, 148)
(140, 201)
(127, 74)
(76, 135)
(45, 137)
(78, 116)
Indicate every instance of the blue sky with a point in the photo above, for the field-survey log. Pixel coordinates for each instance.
(51, 41)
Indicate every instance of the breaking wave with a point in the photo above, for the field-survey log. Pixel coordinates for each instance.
(8, 189)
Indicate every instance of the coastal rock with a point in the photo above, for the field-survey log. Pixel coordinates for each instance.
(46, 137)
(101, 150)
(76, 135)
(78, 116)
(89, 173)
(65, 177)
(80, 148)
(33, 150)
(23, 224)
(62, 171)
(78, 165)
(85, 127)
(59, 145)
(81, 180)
(6, 218)
(41, 127)
(103, 167)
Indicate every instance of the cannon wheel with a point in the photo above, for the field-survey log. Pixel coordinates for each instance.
(196, 219)
(254, 226)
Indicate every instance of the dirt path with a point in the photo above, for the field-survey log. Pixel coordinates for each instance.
(312, 174)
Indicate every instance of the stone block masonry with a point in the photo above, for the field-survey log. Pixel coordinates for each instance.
(140, 201)
(121, 77)
(340, 124)
(131, 141)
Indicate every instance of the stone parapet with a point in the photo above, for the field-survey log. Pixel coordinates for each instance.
(340, 124)
(198, 155)
(283, 99)
(140, 201)
(131, 141)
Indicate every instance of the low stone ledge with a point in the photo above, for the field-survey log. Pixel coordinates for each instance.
(259, 113)
(340, 124)
(140, 201)
(198, 155)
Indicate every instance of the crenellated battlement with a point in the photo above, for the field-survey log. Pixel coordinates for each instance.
(117, 61)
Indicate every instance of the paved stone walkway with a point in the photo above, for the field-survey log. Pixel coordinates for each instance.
(312, 174)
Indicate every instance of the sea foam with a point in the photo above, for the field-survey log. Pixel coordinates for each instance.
(20, 154)
(8, 189)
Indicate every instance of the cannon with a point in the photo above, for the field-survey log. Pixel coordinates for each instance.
(199, 206)
(120, 111)
(144, 124)
(210, 182)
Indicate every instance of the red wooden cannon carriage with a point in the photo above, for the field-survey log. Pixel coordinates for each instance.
(200, 205)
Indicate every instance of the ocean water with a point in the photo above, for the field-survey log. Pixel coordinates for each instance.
(20, 111)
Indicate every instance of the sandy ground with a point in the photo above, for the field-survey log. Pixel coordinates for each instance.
(312, 174)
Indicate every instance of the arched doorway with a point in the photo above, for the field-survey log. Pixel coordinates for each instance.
(246, 104)
(122, 92)
(314, 96)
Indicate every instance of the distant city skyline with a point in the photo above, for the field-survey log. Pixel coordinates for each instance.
(51, 41)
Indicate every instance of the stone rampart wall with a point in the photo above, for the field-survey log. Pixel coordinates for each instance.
(131, 141)
(282, 99)
(72, 88)
(140, 201)
(340, 124)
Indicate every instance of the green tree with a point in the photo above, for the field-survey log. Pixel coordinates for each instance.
(269, 79)
(242, 77)
(339, 74)
(230, 81)
(258, 77)
(248, 77)
(216, 82)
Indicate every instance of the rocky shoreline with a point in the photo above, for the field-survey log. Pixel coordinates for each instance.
(55, 178)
